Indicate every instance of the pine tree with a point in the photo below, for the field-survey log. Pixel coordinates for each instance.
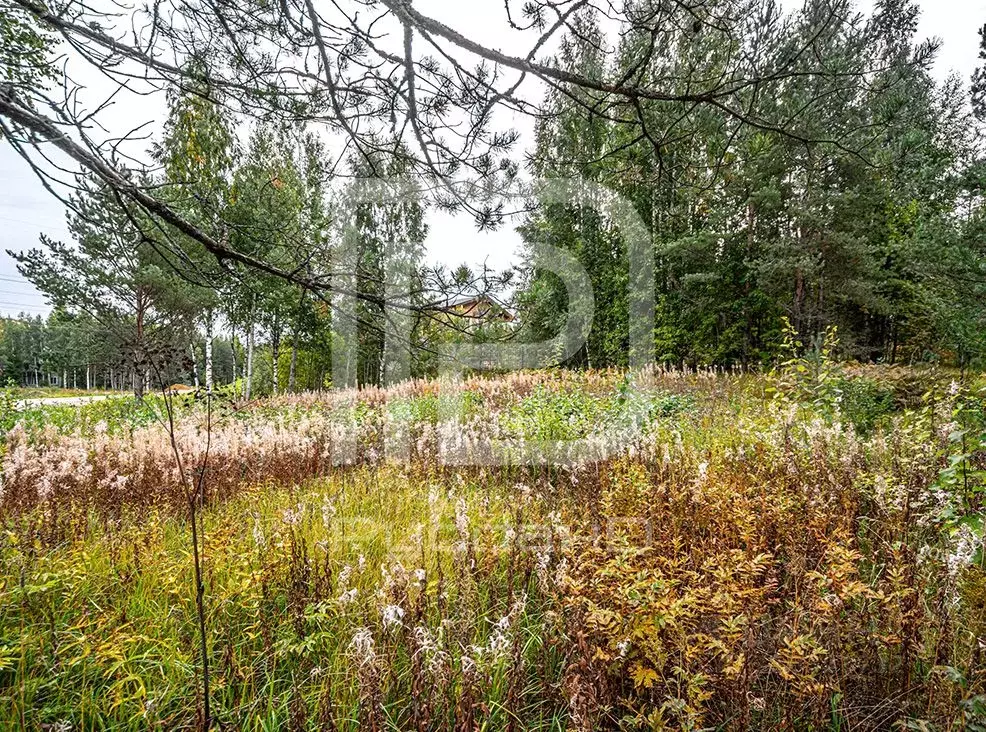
(114, 273)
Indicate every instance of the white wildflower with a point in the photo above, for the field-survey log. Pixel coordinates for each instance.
(461, 519)
(291, 517)
(392, 616)
(362, 647)
(258, 532)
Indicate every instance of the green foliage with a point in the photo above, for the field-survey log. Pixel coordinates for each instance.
(748, 225)
(434, 408)
(8, 408)
(865, 402)
(963, 478)
(553, 414)
(808, 376)
(25, 49)
(114, 414)
(547, 414)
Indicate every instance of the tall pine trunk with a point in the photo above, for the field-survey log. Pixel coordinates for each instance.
(195, 365)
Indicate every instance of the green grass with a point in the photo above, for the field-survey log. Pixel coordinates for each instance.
(50, 392)
(119, 650)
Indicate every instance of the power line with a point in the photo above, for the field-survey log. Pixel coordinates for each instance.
(29, 223)
(42, 308)
(22, 294)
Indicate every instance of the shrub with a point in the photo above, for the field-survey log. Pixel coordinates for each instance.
(865, 402)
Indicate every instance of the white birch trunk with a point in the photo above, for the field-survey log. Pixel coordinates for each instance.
(232, 351)
(208, 351)
(249, 362)
(294, 362)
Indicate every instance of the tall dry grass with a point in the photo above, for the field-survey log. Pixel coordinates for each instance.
(746, 559)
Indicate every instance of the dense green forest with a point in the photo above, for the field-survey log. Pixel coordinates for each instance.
(879, 234)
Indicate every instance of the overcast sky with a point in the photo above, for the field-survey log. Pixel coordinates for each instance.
(27, 210)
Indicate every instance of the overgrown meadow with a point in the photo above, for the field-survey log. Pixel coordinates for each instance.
(536, 551)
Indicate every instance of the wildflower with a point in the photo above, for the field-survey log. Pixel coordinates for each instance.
(344, 575)
(392, 616)
(328, 511)
(461, 519)
(362, 647)
(438, 665)
(542, 564)
(291, 517)
(499, 643)
(963, 551)
(393, 579)
(424, 638)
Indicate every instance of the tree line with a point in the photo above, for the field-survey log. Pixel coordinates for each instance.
(869, 218)
(75, 351)
(132, 314)
(800, 167)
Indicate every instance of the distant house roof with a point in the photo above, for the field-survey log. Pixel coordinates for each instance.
(478, 307)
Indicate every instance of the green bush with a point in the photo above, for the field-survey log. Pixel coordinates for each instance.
(546, 414)
(865, 402)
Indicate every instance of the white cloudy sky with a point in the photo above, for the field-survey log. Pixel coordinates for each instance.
(27, 210)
